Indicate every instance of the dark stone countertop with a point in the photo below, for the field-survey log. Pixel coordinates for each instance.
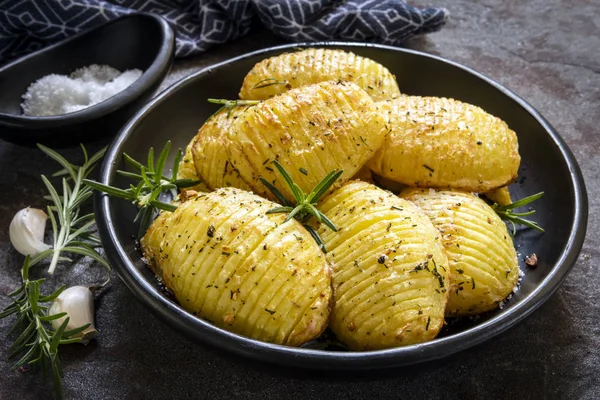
(547, 51)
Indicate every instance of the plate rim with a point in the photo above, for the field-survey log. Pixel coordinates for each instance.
(191, 326)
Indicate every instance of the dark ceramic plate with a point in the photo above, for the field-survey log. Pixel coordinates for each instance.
(143, 41)
(547, 165)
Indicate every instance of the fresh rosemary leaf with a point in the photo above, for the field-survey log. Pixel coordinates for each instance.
(64, 211)
(37, 344)
(229, 105)
(150, 184)
(507, 213)
(304, 207)
(269, 82)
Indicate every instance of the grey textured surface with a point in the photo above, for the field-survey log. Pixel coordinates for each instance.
(544, 50)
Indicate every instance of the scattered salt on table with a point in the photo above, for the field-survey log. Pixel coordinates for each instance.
(60, 94)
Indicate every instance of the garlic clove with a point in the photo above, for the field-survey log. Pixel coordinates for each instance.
(78, 303)
(26, 231)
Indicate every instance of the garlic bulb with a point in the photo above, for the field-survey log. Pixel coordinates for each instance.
(27, 231)
(78, 303)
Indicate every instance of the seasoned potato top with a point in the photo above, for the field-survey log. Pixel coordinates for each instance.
(310, 131)
(482, 258)
(390, 271)
(439, 142)
(278, 74)
(187, 168)
(210, 151)
(228, 262)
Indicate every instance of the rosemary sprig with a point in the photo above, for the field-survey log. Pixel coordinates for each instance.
(37, 343)
(229, 105)
(150, 186)
(305, 205)
(72, 232)
(270, 82)
(507, 213)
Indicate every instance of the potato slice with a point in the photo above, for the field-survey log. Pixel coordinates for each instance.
(364, 174)
(210, 154)
(228, 262)
(483, 262)
(390, 273)
(310, 131)
(187, 168)
(278, 74)
(444, 143)
(501, 196)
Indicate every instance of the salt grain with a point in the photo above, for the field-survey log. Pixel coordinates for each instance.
(60, 94)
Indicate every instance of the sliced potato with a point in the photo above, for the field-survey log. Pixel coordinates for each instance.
(210, 151)
(483, 263)
(444, 143)
(228, 262)
(364, 174)
(278, 74)
(310, 131)
(390, 270)
(187, 168)
(501, 196)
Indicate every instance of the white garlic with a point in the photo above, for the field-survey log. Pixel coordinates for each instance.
(78, 303)
(27, 231)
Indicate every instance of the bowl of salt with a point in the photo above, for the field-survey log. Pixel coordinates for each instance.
(87, 86)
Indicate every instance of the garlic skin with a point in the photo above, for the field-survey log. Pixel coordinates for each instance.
(26, 231)
(78, 303)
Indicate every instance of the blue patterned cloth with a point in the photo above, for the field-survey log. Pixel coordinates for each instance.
(28, 25)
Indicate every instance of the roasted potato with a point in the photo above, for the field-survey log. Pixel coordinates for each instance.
(501, 196)
(278, 74)
(187, 169)
(390, 272)
(483, 263)
(364, 174)
(444, 143)
(311, 131)
(228, 262)
(210, 151)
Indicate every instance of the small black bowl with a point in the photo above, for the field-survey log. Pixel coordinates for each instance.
(143, 41)
(547, 165)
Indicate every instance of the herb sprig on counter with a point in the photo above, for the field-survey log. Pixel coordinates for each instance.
(151, 183)
(37, 343)
(507, 213)
(71, 231)
(305, 205)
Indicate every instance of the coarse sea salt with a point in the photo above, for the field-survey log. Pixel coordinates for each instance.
(60, 94)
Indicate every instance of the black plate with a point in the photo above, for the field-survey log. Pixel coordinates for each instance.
(140, 40)
(547, 165)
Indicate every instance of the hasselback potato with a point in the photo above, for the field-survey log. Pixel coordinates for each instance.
(278, 74)
(483, 263)
(390, 271)
(444, 143)
(228, 262)
(187, 168)
(501, 196)
(311, 131)
(210, 151)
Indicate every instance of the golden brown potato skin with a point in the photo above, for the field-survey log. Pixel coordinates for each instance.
(311, 131)
(187, 168)
(444, 143)
(483, 262)
(311, 66)
(228, 262)
(501, 196)
(210, 151)
(390, 274)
